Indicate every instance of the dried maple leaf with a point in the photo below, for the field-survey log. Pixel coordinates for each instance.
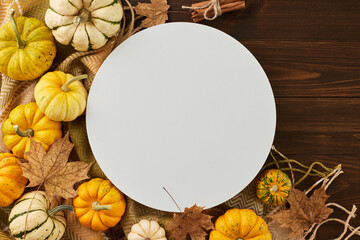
(155, 12)
(192, 221)
(303, 211)
(52, 170)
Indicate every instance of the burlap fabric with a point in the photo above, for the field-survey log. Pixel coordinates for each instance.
(14, 92)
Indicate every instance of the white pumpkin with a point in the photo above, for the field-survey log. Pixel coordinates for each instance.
(85, 24)
(147, 230)
(42, 221)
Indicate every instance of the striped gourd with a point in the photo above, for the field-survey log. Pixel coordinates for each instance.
(273, 187)
(42, 221)
(85, 24)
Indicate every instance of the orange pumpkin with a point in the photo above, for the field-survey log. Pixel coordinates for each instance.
(99, 204)
(12, 183)
(240, 224)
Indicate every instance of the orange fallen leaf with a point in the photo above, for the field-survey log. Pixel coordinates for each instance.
(52, 169)
(303, 211)
(191, 222)
(155, 12)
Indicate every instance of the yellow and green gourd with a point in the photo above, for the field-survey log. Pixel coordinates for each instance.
(27, 48)
(273, 187)
(44, 220)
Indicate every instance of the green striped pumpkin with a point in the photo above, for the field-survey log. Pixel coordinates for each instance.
(42, 222)
(85, 24)
(273, 187)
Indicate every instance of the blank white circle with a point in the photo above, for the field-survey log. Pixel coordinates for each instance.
(181, 106)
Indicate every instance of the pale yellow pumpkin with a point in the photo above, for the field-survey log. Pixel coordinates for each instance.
(27, 121)
(27, 48)
(85, 24)
(61, 96)
(147, 230)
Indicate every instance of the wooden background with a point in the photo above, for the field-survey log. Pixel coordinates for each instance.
(310, 50)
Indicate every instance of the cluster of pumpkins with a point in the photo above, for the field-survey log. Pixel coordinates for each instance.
(27, 50)
(100, 205)
(35, 216)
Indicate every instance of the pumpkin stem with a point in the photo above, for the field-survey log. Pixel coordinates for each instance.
(66, 88)
(83, 16)
(239, 239)
(96, 206)
(55, 210)
(274, 188)
(20, 43)
(28, 133)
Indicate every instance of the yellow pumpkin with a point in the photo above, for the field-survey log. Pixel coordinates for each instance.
(99, 204)
(61, 96)
(27, 48)
(12, 182)
(240, 224)
(25, 121)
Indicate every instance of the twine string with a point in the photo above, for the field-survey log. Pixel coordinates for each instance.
(211, 5)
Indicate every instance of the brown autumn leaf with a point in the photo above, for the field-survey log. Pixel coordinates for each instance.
(303, 211)
(192, 221)
(155, 12)
(52, 170)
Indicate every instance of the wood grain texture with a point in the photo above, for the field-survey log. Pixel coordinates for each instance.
(310, 50)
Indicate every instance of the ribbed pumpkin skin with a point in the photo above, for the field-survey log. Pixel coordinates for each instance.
(39, 224)
(147, 230)
(32, 61)
(12, 183)
(84, 24)
(269, 180)
(240, 224)
(29, 116)
(103, 192)
(57, 104)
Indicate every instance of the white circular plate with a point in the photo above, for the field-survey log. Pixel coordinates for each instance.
(181, 106)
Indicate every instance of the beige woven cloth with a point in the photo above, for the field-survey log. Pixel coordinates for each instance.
(13, 93)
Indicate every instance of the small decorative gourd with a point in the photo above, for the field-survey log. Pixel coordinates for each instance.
(25, 121)
(12, 182)
(27, 48)
(61, 96)
(240, 224)
(147, 230)
(42, 218)
(99, 204)
(84, 24)
(273, 187)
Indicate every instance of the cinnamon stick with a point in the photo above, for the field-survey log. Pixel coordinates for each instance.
(198, 12)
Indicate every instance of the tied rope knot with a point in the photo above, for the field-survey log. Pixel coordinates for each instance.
(211, 5)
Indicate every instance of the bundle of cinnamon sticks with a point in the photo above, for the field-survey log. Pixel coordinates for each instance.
(199, 9)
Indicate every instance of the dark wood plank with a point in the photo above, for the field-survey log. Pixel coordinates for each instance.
(318, 125)
(315, 20)
(310, 69)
